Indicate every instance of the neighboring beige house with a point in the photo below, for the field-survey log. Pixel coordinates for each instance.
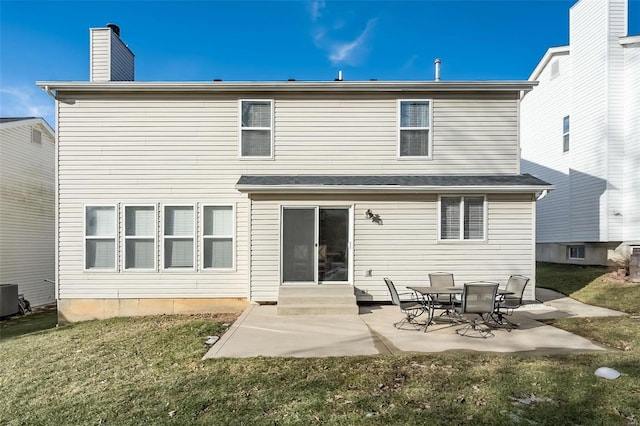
(27, 207)
(197, 196)
(581, 132)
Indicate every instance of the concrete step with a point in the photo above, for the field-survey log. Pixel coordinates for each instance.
(323, 309)
(317, 300)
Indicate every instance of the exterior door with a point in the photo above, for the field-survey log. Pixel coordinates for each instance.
(316, 245)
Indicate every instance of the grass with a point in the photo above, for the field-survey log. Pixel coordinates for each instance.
(590, 284)
(19, 325)
(131, 371)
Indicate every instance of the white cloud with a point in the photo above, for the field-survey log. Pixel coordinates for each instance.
(25, 101)
(316, 6)
(351, 52)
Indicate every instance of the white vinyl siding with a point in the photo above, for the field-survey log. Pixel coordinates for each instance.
(101, 237)
(178, 149)
(179, 237)
(462, 218)
(405, 248)
(631, 166)
(256, 133)
(110, 58)
(414, 128)
(218, 237)
(140, 245)
(27, 211)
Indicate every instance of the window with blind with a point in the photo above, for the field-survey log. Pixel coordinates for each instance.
(100, 237)
(217, 237)
(414, 130)
(256, 133)
(140, 237)
(179, 242)
(462, 218)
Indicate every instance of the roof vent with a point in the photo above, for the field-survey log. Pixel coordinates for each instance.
(339, 76)
(114, 28)
(437, 63)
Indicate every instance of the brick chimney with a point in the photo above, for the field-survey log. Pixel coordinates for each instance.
(110, 59)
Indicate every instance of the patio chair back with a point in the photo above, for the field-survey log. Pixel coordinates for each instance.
(479, 297)
(395, 299)
(516, 285)
(441, 279)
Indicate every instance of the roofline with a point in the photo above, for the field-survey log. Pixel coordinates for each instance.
(290, 86)
(629, 40)
(30, 122)
(339, 189)
(550, 53)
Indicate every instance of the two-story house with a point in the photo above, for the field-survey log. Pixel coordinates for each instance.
(581, 132)
(27, 219)
(197, 196)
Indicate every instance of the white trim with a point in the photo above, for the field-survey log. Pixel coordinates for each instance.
(461, 238)
(56, 196)
(202, 237)
(271, 130)
(114, 238)
(139, 237)
(179, 237)
(429, 130)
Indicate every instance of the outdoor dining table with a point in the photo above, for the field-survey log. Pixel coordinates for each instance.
(429, 294)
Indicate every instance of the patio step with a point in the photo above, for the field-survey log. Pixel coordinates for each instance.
(317, 300)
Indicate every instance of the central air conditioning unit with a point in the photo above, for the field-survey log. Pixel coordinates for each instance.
(8, 299)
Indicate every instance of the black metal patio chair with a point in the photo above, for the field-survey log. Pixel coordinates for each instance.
(478, 298)
(410, 308)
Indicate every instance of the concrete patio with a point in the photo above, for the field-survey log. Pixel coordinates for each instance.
(260, 332)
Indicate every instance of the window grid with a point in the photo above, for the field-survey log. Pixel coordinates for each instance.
(100, 237)
(132, 252)
(462, 218)
(414, 128)
(576, 252)
(256, 128)
(218, 237)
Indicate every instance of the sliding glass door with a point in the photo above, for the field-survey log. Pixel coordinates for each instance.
(316, 244)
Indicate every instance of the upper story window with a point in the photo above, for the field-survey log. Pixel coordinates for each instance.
(179, 242)
(414, 130)
(462, 218)
(555, 69)
(100, 225)
(36, 136)
(565, 134)
(140, 237)
(256, 128)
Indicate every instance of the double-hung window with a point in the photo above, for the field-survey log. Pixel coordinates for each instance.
(179, 241)
(414, 130)
(100, 225)
(565, 134)
(462, 218)
(217, 237)
(256, 128)
(140, 237)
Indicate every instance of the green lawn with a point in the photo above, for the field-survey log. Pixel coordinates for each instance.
(132, 371)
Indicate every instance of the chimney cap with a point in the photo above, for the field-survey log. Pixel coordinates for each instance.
(114, 28)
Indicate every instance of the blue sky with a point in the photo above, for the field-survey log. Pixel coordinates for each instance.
(278, 40)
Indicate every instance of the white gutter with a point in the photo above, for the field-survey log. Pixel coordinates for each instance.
(333, 189)
(290, 86)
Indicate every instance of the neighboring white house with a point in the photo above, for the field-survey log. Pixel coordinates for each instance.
(581, 132)
(196, 196)
(27, 207)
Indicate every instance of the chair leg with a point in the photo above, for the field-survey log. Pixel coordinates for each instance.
(410, 318)
(474, 325)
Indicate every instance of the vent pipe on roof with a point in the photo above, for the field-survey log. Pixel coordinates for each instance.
(437, 63)
(339, 76)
